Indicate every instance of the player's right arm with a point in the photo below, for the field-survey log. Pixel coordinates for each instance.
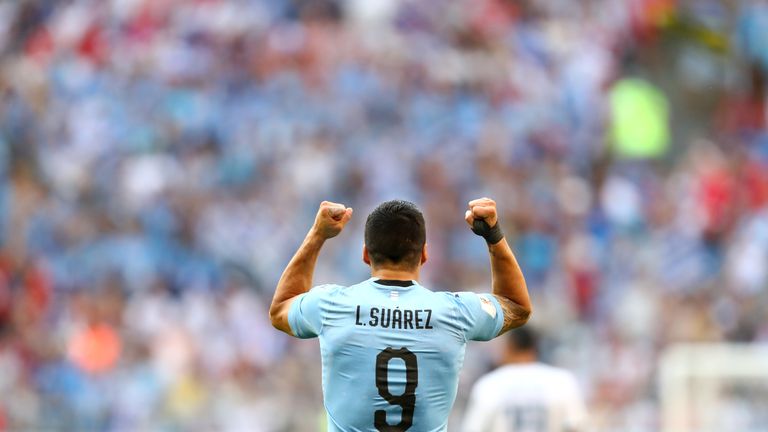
(508, 283)
(297, 276)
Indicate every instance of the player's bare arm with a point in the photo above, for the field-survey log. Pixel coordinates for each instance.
(297, 276)
(508, 283)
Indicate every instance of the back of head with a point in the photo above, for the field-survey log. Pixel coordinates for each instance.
(395, 234)
(522, 340)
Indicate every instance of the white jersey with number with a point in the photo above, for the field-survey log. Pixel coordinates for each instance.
(528, 397)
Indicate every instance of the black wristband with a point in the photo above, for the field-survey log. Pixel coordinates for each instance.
(491, 235)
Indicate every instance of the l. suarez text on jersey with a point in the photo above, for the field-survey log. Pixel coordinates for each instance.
(399, 319)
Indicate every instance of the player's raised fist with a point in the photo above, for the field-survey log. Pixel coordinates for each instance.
(482, 209)
(331, 218)
(483, 220)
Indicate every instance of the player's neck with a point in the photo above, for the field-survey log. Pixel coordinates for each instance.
(520, 357)
(395, 274)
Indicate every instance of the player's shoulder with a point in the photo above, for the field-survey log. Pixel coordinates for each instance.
(324, 292)
(559, 378)
(450, 298)
(491, 381)
(462, 296)
(552, 373)
(555, 370)
(327, 288)
(472, 301)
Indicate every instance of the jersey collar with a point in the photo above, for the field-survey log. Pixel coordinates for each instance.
(390, 283)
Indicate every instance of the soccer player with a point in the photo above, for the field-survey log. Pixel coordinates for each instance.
(525, 395)
(391, 348)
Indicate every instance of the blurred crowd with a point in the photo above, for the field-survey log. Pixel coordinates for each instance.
(160, 161)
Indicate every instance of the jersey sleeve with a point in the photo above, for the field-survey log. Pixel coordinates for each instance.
(306, 313)
(480, 314)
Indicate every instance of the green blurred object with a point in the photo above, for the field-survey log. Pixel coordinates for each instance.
(640, 119)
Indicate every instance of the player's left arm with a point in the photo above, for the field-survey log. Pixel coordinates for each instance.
(508, 283)
(515, 315)
(297, 276)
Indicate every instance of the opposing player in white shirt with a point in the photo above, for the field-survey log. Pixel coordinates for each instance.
(525, 395)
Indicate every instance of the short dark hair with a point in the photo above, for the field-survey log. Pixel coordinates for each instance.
(523, 339)
(395, 234)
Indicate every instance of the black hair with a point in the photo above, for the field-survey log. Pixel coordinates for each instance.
(523, 339)
(395, 234)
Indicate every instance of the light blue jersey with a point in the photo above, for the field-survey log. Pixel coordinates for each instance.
(392, 354)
